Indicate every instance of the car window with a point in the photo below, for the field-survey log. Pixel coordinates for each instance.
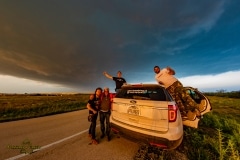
(147, 93)
(193, 94)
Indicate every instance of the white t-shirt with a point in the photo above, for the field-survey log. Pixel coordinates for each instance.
(163, 77)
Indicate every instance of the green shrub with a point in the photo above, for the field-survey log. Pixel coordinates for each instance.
(216, 138)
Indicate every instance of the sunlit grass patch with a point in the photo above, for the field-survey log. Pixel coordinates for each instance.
(15, 107)
(218, 135)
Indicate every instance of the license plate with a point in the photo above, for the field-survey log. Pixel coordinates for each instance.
(134, 110)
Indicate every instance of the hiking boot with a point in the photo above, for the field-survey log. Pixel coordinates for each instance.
(109, 138)
(198, 114)
(94, 141)
(184, 115)
(102, 136)
(202, 106)
(90, 136)
(191, 115)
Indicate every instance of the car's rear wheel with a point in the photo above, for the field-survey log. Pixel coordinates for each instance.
(175, 144)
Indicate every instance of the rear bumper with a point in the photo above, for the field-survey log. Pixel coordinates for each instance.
(152, 140)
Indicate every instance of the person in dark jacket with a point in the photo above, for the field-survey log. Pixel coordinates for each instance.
(93, 106)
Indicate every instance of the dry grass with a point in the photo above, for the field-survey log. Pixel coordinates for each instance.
(15, 107)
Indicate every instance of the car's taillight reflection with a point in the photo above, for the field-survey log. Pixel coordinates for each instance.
(172, 113)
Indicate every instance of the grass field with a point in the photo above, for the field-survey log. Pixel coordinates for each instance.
(218, 135)
(16, 107)
(217, 138)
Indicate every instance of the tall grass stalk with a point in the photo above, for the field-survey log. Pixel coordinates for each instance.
(222, 152)
(234, 155)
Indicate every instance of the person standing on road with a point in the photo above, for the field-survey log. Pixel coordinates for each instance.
(93, 106)
(105, 111)
(119, 80)
(186, 104)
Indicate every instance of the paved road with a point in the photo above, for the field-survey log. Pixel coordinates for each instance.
(62, 136)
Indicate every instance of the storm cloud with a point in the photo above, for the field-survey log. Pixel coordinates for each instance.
(72, 42)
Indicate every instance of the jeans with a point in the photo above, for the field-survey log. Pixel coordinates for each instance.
(105, 116)
(92, 128)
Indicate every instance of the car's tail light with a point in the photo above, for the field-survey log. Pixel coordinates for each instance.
(172, 113)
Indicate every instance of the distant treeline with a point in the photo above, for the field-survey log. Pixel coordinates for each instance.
(222, 93)
(42, 94)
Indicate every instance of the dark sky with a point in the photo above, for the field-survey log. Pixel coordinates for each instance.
(71, 42)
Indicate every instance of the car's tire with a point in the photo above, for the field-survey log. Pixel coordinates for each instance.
(175, 144)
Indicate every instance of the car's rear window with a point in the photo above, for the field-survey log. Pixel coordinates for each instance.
(142, 93)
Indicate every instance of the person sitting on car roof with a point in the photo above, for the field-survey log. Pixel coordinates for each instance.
(186, 104)
(119, 80)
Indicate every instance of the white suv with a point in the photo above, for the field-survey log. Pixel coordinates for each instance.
(148, 113)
